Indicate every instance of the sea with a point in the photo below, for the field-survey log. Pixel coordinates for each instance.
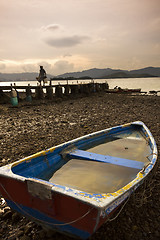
(146, 84)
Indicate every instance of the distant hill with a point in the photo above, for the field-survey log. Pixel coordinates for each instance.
(90, 73)
(123, 74)
(155, 71)
(26, 76)
(114, 73)
(93, 73)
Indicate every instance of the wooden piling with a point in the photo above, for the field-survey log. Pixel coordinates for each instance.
(39, 94)
(67, 90)
(91, 87)
(81, 88)
(74, 89)
(58, 91)
(86, 89)
(49, 92)
(28, 93)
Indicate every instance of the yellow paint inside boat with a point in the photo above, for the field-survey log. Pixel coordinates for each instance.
(42, 153)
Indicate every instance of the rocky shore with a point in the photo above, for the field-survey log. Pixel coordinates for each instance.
(30, 128)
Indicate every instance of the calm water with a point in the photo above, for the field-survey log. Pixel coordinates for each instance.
(146, 84)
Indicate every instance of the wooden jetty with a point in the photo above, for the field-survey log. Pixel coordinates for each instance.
(50, 91)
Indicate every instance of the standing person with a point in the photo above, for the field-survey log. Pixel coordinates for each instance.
(42, 75)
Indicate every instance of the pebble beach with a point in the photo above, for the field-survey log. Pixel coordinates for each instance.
(32, 127)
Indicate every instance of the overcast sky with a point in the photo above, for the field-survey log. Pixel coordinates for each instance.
(74, 35)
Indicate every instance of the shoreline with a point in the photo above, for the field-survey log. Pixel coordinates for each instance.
(29, 128)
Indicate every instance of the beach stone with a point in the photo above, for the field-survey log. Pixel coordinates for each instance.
(6, 209)
(28, 228)
(12, 236)
(1, 212)
(35, 236)
(72, 124)
(128, 235)
(4, 161)
(64, 121)
(56, 120)
(15, 217)
(4, 226)
(135, 228)
(7, 214)
(1, 230)
(157, 233)
(19, 233)
(42, 234)
(50, 233)
(25, 237)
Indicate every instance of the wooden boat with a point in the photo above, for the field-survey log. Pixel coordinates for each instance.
(134, 90)
(123, 90)
(75, 187)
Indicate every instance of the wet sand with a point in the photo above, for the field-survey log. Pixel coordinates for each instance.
(30, 128)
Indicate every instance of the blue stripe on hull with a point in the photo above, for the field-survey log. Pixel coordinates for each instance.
(43, 219)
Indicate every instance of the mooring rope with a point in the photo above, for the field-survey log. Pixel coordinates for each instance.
(112, 219)
(142, 197)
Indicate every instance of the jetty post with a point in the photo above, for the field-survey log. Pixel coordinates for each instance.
(49, 92)
(39, 94)
(66, 90)
(74, 89)
(58, 91)
(28, 93)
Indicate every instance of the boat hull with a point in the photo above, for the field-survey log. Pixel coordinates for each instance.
(60, 213)
(65, 208)
(123, 90)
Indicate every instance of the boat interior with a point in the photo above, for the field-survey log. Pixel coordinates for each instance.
(98, 163)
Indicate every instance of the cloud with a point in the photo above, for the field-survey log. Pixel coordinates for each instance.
(66, 41)
(62, 66)
(51, 27)
(95, 32)
(2, 66)
(67, 55)
(45, 64)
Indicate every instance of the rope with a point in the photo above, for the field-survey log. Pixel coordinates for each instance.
(112, 219)
(144, 168)
(58, 224)
(147, 138)
(151, 155)
(142, 197)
